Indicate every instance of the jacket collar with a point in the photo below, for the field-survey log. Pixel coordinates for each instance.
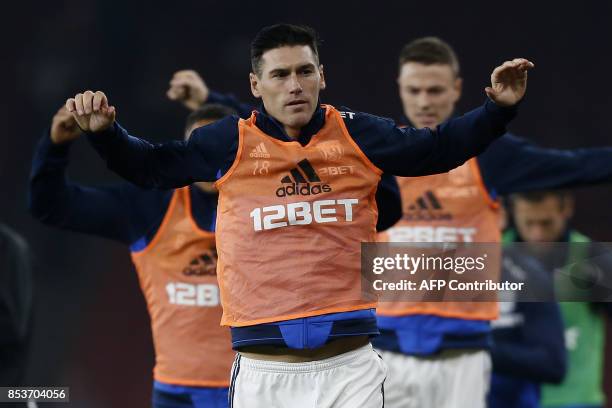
(271, 126)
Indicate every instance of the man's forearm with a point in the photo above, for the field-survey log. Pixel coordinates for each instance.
(469, 135)
(413, 152)
(48, 180)
(148, 165)
(53, 200)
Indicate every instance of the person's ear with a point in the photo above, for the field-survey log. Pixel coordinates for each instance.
(254, 80)
(458, 88)
(322, 84)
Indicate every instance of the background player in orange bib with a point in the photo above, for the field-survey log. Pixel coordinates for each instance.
(172, 243)
(289, 227)
(442, 345)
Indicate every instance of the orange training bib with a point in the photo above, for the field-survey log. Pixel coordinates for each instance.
(289, 225)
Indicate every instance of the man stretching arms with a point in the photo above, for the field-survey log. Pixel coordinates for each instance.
(290, 222)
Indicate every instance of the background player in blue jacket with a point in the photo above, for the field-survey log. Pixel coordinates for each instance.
(141, 219)
(429, 85)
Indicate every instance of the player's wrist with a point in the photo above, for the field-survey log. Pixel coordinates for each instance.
(54, 149)
(495, 106)
(501, 113)
(61, 140)
(199, 100)
(105, 134)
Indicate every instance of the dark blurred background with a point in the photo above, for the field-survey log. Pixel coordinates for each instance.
(90, 327)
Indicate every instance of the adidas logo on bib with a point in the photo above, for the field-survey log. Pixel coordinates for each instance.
(260, 152)
(302, 180)
(427, 207)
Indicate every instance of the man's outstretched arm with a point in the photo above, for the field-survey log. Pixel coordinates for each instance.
(514, 165)
(161, 165)
(121, 212)
(419, 152)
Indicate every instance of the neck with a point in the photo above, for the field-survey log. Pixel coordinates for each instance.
(293, 133)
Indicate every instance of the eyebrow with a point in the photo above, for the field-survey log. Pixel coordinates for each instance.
(426, 88)
(284, 70)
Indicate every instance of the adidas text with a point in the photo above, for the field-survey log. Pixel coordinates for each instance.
(302, 189)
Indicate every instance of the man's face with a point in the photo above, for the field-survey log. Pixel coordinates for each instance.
(289, 85)
(428, 93)
(542, 221)
(205, 186)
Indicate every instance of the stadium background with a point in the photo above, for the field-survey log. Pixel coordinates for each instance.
(90, 328)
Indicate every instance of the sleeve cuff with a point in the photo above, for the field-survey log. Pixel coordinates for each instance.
(506, 112)
(57, 150)
(105, 135)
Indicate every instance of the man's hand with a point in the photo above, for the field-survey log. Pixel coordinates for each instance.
(189, 88)
(91, 111)
(63, 127)
(509, 82)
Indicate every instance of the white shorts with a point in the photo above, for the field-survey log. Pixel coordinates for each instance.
(451, 379)
(349, 380)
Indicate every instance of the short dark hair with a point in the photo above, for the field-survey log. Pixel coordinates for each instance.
(429, 51)
(280, 35)
(538, 196)
(208, 111)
